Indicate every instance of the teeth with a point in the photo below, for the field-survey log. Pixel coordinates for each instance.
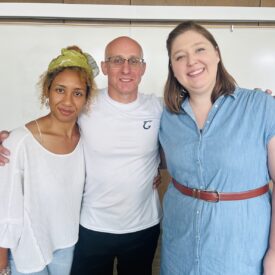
(125, 80)
(196, 72)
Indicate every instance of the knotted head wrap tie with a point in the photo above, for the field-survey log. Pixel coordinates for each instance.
(73, 58)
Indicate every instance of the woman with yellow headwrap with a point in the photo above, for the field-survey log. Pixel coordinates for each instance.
(41, 191)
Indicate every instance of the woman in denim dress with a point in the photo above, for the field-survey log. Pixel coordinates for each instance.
(219, 144)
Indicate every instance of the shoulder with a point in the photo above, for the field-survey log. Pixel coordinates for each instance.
(99, 95)
(16, 138)
(167, 115)
(96, 101)
(253, 96)
(18, 134)
(256, 100)
(152, 101)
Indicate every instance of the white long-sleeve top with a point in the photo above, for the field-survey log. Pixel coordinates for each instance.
(40, 199)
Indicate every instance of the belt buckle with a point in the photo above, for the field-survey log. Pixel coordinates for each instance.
(217, 193)
(196, 193)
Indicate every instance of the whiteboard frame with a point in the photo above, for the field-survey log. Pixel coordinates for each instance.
(135, 12)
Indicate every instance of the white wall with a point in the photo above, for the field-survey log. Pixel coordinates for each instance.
(26, 50)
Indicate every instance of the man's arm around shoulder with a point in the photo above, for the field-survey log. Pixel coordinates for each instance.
(4, 152)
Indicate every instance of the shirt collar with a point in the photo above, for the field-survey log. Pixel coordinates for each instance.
(234, 95)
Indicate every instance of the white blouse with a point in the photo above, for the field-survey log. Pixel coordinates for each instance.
(40, 199)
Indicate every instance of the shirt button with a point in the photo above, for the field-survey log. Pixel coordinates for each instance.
(198, 212)
(216, 106)
(207, 121)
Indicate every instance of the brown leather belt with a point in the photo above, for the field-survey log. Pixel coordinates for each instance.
(215, 196)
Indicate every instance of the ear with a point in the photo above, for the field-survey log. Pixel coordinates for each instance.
(47, 95)
(143, 68)
(218, 54)
(104, 67)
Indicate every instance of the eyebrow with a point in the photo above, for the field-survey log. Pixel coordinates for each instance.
(194, 45)
(199, 43)
(59, 85)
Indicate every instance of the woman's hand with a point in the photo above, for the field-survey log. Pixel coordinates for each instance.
(157, 180)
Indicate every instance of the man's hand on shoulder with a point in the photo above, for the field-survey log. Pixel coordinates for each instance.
(267, 91)
(4, 152)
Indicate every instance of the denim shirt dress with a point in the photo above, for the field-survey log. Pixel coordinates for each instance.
(228, 155)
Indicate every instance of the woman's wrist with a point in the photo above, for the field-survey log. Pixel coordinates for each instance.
(5, 271)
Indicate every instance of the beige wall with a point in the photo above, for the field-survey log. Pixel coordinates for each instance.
(233, 3)
(244, 3)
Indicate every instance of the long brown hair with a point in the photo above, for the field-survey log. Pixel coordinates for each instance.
(173, 95)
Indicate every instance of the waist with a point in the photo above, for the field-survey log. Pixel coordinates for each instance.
(126, 218)
(215, 196)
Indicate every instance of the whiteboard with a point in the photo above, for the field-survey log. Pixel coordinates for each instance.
(27, 49)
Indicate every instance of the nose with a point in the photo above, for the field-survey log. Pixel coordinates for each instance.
(125, 67)
(68, 99)
(191, 60)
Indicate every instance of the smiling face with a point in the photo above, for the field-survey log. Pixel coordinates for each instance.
(194, 61)
(123, 79)
(67, 95)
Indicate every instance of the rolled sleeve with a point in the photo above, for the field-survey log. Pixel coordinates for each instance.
(270, 118)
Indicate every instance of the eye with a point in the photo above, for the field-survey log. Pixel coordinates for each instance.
(180, 57)
(134, 61)
(200, 50)
(118, 60)
(79, 93)
(59, 90)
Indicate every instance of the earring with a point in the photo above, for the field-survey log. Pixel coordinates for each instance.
(47, 105)
(183, 92)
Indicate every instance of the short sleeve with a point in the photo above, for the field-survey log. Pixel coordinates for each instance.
(270, 118)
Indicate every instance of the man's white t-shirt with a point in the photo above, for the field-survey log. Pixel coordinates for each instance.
(122, 156)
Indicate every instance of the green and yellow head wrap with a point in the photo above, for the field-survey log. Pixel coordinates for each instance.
(73, 58)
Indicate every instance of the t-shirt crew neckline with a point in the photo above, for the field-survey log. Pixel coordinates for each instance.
(125, 106)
